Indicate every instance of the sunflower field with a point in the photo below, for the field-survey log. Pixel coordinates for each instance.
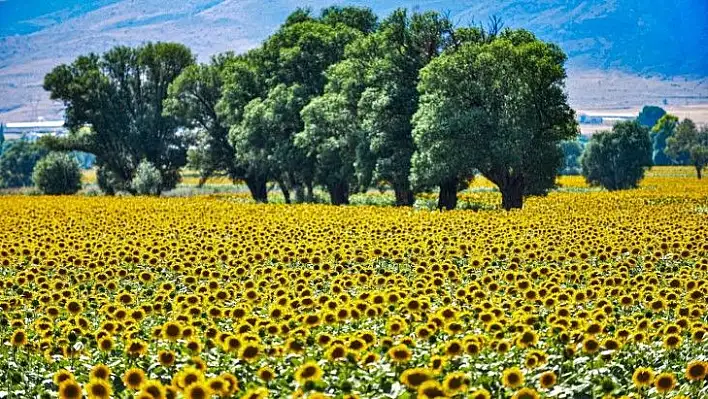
(583, 294)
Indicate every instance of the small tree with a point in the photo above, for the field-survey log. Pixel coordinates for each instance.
(572, 151)
(57, 174)
(616, 159)
(18, 161)
(649, 115)
(662, 130)
(147, 180)
(689, 143)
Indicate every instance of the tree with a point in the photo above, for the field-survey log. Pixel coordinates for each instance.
(387, 64)
(57, 174)
(359, 18)
(649, 115)
(120, 95)
(332, 136)
(572, 150)
(498, 107)
(689, 143)
(289, 70)
(147, 180)
(18, 161)
(660, 132)
(616, 159)
(264, 141)
(193, 99)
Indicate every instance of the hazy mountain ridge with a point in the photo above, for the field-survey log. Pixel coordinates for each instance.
(624, 36)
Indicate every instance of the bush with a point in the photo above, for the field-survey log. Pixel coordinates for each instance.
(616, 159)
(17, 162)
(147, 180)
(57, 174)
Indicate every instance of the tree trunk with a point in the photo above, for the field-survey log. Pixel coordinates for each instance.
(309, 192)
(699, 171)
(339, 193)
(448, 195)
(512, 193)
(258, 188)
(284, 189)
(404, 194)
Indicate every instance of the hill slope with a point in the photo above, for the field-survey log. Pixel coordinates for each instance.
(617, 40)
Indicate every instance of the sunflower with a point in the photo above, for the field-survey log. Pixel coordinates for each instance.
(413, 378)
(197, 391)
(105, 344)
(70, 389)
(512, 377)
(525, 393)
(172, 331)
(232, 383)
(250, 351)
(134, 378)
(255, 393)
(218, 385)
(19, 338)
(400, 354)
(480, 394)
(99, 389)
(548, 379)
(266, 373)
(664, 382)
(672, 341)
(643, 377)
(696, 370)
(456, 382)
(166, 358)
(62, 375)
(430, 390)
(309, 371)
(154, 388)
(100, 371)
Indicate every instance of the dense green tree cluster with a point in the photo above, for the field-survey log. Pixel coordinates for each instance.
(617, 159)
(338, 100)
(689, 145)
(17, 161)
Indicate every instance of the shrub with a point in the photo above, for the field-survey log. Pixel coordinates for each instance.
(17, 162)
(616, 159)
(57, 174)
(147, 180)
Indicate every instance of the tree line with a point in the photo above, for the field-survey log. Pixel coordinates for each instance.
(339, 100)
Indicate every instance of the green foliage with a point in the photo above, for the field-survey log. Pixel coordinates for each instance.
(650, 115)
(690, 144)
(17, 162)
(120, 95)
(147, 179)
(660, 133)
(497, 107)
(2, 137)
(616, 159)
(57, 174)
(572, 150)
(359, 18)
(193, 99)
(264, 95)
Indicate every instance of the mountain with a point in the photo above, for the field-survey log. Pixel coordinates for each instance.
(621, 52)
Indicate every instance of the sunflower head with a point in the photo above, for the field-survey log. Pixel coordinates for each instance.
(512, 377)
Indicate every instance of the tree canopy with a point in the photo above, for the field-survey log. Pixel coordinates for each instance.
(617, 159)
(689, 144)
(649, 115)
(497, 107)
(660, 133)
(120, 96)
(17, 162)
